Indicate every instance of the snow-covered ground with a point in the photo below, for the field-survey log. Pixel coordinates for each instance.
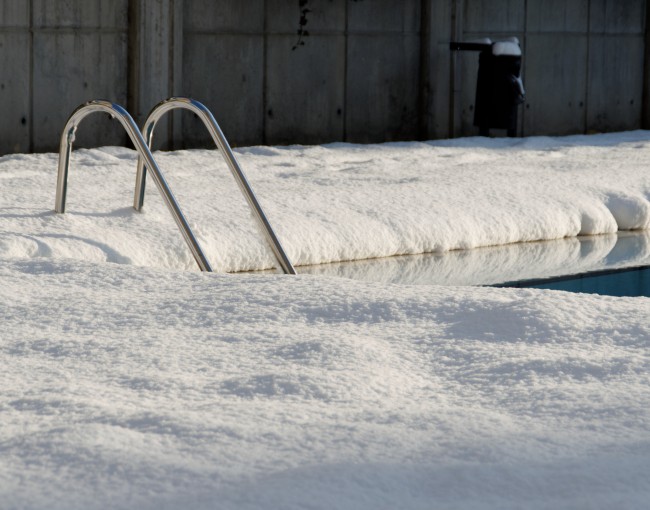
(162, 387)
(330, 203)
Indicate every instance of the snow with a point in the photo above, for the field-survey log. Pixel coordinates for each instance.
(131, 380)
(330, 203)
(506, 48)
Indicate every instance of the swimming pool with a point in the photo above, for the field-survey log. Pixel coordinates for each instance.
(633, 281)
(579, 264)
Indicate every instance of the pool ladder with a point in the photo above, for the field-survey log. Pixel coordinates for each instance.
(146, 162)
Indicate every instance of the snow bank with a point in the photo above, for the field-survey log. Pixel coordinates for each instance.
(160, 387)
(132, 387)
(331, 203)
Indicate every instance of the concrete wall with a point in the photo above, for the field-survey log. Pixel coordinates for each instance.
(369, 70)
(15, 77)
(583, 62)
(383, 59)
(223, 67)
(54, 56)
(355, 77)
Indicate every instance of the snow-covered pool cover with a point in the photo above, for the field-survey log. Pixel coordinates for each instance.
(161, 387)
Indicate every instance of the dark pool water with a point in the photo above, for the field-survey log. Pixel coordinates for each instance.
(623, 282)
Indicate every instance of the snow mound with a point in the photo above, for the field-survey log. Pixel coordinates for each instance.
(160, 387)
(330, 203)
(630, 212)
(129, 387)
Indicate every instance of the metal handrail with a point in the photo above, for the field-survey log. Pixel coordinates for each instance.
(116, 111)
(220, 140)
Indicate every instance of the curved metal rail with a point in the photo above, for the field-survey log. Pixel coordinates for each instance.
(116, 111)
(220, 140)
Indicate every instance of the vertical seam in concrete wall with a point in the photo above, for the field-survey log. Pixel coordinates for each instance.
(132, 75)
(178, 29)
(456, 32)
(345, 73)
(172, 28)
(423, 79)
(170, 72)
(525, 45)
(265, 51)
(585, 118)
(30, 113)
(452, 69)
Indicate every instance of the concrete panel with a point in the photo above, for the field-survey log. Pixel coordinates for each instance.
(645, 109)
(558, 16)
(14, 13)
(305, 90)
(466, 91)
(176, 79)
(487, 16)
(384, 16)
(224, 16)
(225, 72)
(154, 44)
(70, 69)
(14, 92)
(69, 14)
(80, 13)
(283, 16)
(436, 65)
(114, 14)
(617, 16)
(615, 92)
(555, 74)
(382, 88)
(439, 92)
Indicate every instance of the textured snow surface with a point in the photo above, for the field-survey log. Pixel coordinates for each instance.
(160, 387)
(330, 203)
(129, 387)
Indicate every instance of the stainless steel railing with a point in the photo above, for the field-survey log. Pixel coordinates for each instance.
(116, 111)
(220, 140)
